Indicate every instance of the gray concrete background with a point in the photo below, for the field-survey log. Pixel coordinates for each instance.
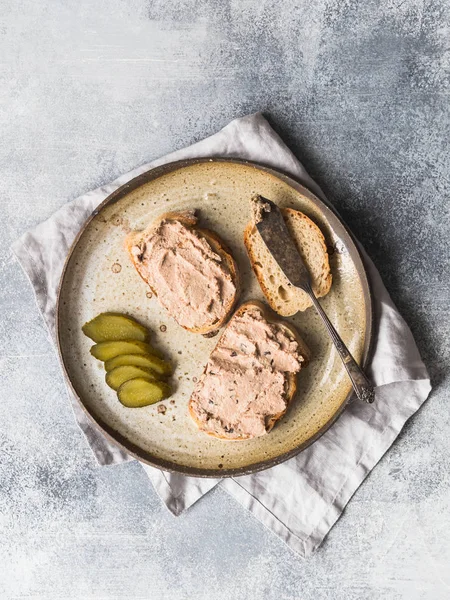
(90, 89)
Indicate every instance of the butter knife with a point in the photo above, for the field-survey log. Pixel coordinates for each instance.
(275, 234)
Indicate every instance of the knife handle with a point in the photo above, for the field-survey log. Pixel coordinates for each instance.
(363, 388)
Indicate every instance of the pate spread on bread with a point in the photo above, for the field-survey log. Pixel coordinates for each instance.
(250, 377)
(189, 269)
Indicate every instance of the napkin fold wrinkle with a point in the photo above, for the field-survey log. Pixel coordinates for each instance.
(300, 499)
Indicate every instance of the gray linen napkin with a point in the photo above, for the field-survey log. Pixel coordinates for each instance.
(301, 499)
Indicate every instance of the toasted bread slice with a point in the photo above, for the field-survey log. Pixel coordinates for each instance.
(210, 403)
(281, 295)
(222, 261)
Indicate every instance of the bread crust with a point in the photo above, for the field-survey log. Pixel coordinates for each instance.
(292, 378)
(259, 269)
(189, 220)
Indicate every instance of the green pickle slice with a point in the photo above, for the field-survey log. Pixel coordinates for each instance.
(135, 393)
(106, 350)
(119, 375)
(161, 367)
(113, 326)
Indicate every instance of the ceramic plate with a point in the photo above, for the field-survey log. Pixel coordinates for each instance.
(98, 276)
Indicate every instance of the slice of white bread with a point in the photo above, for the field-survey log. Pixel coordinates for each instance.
(219, 430)
(281, 295)
(189, 220)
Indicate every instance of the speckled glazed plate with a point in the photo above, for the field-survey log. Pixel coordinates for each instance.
(98, 277)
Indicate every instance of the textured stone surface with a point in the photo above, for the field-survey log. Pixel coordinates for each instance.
(91, 89)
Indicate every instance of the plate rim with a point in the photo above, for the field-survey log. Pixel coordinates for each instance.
(124, 443)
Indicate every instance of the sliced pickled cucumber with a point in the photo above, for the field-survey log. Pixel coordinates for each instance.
(119, 375)
(113, 326)
(107, 350)
(141, 392)
(161, 367)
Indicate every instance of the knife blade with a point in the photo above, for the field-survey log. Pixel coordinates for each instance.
(271, 225)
